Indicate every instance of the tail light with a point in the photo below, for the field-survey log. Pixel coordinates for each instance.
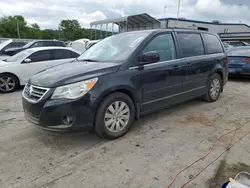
(246, 60)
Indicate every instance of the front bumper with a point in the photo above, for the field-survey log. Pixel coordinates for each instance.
(50, 114)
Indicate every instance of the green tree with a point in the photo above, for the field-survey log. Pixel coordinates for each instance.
(70, 29)
(9, 26)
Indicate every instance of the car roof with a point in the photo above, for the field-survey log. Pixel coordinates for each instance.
(170, 29)
(50, 48)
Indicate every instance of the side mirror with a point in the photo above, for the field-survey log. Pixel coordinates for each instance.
(28, 60)
(150, 57)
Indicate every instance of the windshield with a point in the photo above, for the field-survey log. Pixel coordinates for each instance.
(3, 40)
(115, 48)
(5, 43)
(28, 44)
(19, 56)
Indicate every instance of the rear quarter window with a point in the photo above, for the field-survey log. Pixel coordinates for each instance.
(190, 44)
(59, 44)
(212, 43)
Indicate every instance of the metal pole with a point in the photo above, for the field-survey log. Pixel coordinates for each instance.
(112, 28)
(90, 33)
(95, 31)
(106, 30)
(101, 31)
(178, 12)
(165, 7)
(17, 26)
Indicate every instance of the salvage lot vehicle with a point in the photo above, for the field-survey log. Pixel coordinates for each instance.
(16, 70)
(10, 43)
(239, 62)
(33, 44)
(125, 76)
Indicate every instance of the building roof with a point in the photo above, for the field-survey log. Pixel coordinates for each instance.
(204, 22)
(130, 21)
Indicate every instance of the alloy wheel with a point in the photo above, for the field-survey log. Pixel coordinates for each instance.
(7, 83)
(215, 88)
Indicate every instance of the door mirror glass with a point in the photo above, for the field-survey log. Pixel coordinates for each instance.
(150, 57)
(28, 60)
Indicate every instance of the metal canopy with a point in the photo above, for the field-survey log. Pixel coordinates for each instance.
(128, 23)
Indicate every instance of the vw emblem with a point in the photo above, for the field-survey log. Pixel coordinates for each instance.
(30, 91)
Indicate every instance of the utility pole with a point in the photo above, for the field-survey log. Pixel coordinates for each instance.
(178, 10)
(165, 7)
(17, 27)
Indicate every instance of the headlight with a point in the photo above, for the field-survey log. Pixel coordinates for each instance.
(74, 91)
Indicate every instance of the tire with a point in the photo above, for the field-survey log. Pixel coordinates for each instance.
(214, 89)
(106, 121)
(8, 83)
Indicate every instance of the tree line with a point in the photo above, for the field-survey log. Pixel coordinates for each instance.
(16, 26)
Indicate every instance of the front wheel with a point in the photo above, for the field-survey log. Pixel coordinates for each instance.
(214, 88)
(114, 116)
(8, 83)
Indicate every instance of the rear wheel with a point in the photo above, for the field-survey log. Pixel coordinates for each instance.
(214, 88)
(8, 83)
(114, 116)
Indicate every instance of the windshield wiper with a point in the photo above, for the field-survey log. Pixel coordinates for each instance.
(88, 60)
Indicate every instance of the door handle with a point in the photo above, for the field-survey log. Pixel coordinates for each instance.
(176, 67)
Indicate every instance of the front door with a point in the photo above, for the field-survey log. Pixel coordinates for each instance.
(39, 61)
(161, 82)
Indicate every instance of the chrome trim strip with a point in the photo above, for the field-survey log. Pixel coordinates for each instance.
(32, 101)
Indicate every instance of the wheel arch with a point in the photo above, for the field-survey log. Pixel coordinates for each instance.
(121, 89)
(19, 83)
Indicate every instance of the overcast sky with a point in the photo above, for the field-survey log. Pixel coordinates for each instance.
(48, 13)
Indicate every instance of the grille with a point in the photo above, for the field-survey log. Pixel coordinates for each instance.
(34, 93)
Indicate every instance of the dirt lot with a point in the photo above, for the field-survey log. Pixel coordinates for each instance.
(156, 148)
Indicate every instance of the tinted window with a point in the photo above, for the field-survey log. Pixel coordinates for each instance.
(73, 54)
(58, 43)
(190, 44)
(164, 45)
(61, 54)
(235, 44)
(212, 43)
(40, 56)
(48, 43)
(14, 45)
(37, 44)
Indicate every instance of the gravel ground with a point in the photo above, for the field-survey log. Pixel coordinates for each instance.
(155, 149)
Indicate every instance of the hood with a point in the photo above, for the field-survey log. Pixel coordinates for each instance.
(72, 72)
(3, 57)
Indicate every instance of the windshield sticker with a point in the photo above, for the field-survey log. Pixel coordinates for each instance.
(136, 41)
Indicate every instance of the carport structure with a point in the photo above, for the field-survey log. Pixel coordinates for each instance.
(126, 23)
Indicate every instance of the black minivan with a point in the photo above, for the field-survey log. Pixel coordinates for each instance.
(125, 76)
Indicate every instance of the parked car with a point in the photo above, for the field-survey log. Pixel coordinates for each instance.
(17, 69)
(125, 76)
(237, 43)
(33, 44)
(10, 43)
(239, 62)
(80, 45)
(91, 43)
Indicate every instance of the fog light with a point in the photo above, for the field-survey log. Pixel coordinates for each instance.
(68, 120)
